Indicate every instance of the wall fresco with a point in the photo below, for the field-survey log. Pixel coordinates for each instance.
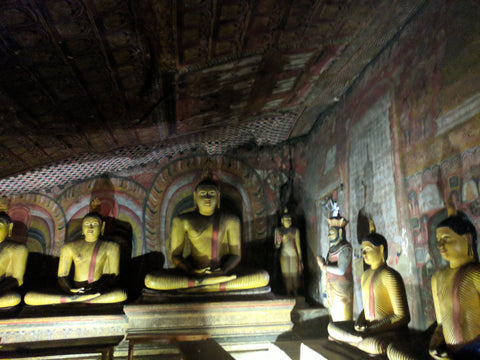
(456, 178)
(422, 150)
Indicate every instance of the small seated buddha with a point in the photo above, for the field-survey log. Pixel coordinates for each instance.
(13, 261)
(385, 313)
(215, 250)
(456, 291)
(96, 264)
(287, 239)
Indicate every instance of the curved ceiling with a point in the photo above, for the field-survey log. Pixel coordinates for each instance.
(82, 78)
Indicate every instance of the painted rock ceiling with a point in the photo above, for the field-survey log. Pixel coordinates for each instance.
(143, 79)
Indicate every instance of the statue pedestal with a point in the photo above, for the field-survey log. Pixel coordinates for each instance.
(26, 330)
(61, 335)
(225, 320)
(235, 325)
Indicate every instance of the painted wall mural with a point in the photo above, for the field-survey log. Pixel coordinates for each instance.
(407, 140)
(457, 179)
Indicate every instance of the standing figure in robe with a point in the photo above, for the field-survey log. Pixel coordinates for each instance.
(13, 261)
(287, 239)
(456, 291)
(338, 270)
(385, 313)
(215, 250)
(97, 266)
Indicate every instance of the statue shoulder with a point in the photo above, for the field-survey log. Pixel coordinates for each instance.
(389, 275)
(441, 273)
(109, 244)
(14, 246)
(231, 218)
(345, 245)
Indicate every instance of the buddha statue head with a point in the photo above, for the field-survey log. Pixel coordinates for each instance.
(286, 219)
(206, 197)
(92, 226)
(336, 230)
(374, 250)
(457, 239)
(6, 226)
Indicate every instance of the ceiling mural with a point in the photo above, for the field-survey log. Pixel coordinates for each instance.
(83, 82)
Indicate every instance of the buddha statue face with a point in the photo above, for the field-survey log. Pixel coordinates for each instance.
(287, 221)
(92, 228)
(453, 246)
(207, 198)
(372, 255)
(6, 227)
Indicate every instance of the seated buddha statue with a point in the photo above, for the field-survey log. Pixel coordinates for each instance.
(456, 291)
(385, 313)
(96, 268)
(338, 271)
(13, 261)
(213, 238)
(287, 239)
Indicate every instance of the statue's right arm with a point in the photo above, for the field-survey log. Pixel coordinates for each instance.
(437, 345)
(20, 263)
(17, 257)
(361, 322)
(177, 244)
(277, 238)
(64, 265)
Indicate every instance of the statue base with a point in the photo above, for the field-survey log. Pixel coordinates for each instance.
(235, 322)
(159, 297)
(232, 323)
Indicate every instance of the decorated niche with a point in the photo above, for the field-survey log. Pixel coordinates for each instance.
(171, 193)
(39, 222)
(119, 200)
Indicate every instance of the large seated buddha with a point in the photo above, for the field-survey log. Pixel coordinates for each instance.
(214, 240)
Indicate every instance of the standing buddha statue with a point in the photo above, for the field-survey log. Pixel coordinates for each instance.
(287, 239)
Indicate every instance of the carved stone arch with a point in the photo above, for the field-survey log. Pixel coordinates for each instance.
(44, 221)
(175, 183)
(121, 200)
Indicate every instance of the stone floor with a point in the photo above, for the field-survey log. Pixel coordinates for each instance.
(308, 340)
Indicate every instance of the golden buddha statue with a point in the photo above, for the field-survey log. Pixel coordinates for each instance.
(385, 313)
(215, 250)
(456, 291)
(13, 261)
(338, 270)
(287, 239)
(96, 264)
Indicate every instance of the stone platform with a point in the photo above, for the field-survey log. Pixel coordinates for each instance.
(226, 319)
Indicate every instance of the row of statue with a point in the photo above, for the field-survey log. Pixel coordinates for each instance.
(381, 327)
(206, 252)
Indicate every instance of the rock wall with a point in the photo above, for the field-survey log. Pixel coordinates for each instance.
(401, 143)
